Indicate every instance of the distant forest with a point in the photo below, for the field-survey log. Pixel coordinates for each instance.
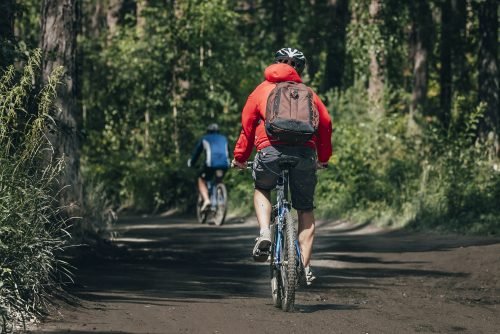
(413, 89)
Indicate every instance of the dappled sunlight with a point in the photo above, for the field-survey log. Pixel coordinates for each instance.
(125, 240)
(172, 260)
(196, 269)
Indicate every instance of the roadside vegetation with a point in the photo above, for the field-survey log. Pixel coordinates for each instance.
(408, 152)
(412, 88)
(32, 231)
(439, 179)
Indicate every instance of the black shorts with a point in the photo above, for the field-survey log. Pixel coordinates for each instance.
(302, 178)
(209, 173)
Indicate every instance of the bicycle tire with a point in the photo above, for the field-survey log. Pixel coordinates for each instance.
(221, 205)
(276, 288)
(200, 215)
(301, 275)
(275, 274)
(289, 265)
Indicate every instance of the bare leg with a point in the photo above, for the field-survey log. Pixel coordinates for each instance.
(263, 207)
(202, 187)
(306, 234)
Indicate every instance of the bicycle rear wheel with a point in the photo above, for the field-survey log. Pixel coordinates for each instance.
(288, 270)
(221, 205)
(200, 215)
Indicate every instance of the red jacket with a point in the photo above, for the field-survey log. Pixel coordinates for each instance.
(253, 132)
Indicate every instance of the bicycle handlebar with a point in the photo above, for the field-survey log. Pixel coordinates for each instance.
(249, 165)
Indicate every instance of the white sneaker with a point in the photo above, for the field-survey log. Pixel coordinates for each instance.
(262, 246)
(205, 205)
(309, 276)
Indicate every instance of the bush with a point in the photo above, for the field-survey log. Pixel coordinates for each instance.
(442, 179)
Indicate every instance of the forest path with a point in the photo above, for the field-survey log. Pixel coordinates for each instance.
(173, 275)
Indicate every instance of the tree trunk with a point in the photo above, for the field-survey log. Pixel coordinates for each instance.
(140, 28)
(335, 59)
(177, 68)
(461, 79)
(488, 69)
(453, 74)
(141, 20)
(446, 62)
(376, 81)
(59, 30)
(6, 30)
(420, 46)
(96, 23)
(7, 21)
(278, 25)
(113, 16)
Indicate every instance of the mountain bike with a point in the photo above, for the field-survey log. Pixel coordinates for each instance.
(217, 193)
(286, 267)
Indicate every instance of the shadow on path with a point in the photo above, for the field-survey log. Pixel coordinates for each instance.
(155, 260)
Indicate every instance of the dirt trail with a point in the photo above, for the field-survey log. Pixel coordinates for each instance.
(172, 275)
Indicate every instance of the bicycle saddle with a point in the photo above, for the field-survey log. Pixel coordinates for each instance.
(288, 162)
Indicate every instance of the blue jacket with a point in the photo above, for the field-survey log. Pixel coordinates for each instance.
(216, 151)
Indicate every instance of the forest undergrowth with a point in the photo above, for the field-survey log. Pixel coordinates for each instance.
(437, 180)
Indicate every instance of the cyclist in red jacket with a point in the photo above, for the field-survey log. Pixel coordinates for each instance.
(314, 154)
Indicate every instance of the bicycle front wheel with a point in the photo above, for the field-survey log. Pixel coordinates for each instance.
(221, 206)
(276, 287)
(289, 265)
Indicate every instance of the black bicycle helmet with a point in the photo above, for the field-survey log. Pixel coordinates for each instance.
(292, 57)
(213, 127)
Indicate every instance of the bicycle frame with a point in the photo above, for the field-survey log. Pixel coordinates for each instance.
(286, 259)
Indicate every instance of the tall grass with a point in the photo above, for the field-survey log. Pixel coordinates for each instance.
(31, 230)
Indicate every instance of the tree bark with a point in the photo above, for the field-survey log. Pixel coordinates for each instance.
(446, 62)
(278, 22)
(58, 40)
(176, 13)
(488, 69)
(140, 28)
(141, 20)
(420, 48)
(335, 59)
(97, 18)
(461, 78)
(453, 75)
(6, 29)
(113, 16)
(7, 21)
(376, 80)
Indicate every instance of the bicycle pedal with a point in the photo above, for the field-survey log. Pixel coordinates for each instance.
(261, 256)
(260, 252)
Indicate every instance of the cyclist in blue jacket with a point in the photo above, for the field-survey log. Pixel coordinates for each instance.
(216, 158)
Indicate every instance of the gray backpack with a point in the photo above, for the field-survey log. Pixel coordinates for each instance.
(291, 115)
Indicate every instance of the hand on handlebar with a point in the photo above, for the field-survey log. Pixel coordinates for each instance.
(237, 164)
(321, 165)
